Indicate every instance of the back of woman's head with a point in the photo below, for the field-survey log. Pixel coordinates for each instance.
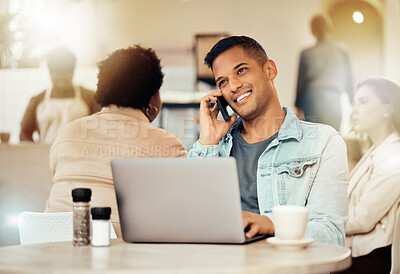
(129, 78)
(389, 93)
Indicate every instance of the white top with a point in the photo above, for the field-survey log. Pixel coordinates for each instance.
(54, 113)
(374, 198)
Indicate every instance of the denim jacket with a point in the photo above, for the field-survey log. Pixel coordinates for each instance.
(305, 165)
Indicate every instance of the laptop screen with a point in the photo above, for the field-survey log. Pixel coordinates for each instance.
(178, 200)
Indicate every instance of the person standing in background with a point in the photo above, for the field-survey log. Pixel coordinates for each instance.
(324, 73)
(60, 104)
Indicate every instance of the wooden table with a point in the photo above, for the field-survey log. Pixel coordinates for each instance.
(258, 257)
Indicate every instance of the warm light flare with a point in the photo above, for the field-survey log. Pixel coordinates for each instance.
(44, 25)
(358, 17)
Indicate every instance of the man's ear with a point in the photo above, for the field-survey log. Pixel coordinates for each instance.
(270, 69)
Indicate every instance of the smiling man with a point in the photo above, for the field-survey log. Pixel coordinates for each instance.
(281, 160)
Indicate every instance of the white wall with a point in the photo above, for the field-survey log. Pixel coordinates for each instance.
(392, 40)
(169, 27)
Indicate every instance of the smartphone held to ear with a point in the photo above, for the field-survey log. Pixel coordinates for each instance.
(224, 108)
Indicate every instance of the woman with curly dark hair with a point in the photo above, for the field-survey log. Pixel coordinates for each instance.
(128, 87)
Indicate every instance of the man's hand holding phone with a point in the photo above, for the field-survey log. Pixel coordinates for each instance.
(211, 129)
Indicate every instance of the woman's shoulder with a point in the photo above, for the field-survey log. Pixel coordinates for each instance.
(388, 148)
(76, 129)
(162, 135)
(387, 157)
(168, 141)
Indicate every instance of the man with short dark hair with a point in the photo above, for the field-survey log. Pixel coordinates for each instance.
(281, 160)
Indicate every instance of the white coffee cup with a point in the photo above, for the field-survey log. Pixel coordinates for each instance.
(290, 221)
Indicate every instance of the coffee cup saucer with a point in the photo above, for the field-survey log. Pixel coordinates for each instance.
(290, 244)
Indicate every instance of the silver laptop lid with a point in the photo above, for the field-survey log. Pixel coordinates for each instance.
(178, 200)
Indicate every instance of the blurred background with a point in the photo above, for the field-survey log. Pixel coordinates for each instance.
(94, 28)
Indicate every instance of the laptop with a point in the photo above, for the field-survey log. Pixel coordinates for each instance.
(179, 200)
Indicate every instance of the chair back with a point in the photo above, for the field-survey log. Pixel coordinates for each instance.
(40, 227)
(396, 245)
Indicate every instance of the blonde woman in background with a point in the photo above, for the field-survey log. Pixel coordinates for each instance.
(374, 183)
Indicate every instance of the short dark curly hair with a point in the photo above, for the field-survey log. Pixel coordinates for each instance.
(129, 78)
(252, 48)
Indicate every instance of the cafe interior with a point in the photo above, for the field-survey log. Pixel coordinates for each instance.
(181, 32)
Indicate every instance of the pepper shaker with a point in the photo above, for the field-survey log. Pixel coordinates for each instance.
(81, 216)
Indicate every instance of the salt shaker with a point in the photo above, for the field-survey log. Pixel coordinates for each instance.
(101, 226)
(81, 214)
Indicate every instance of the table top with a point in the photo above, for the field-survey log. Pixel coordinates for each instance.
(63, 257)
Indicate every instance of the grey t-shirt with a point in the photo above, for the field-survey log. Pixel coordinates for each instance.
(246, 156)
